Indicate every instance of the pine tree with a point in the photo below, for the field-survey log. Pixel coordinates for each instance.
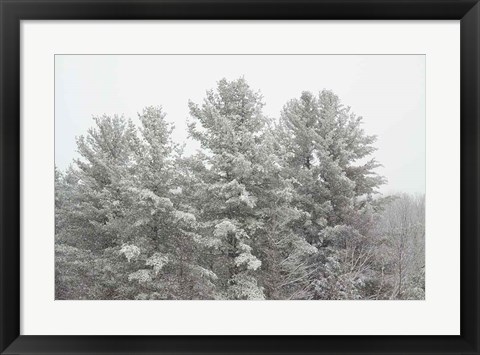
(284, 252)
(90, 194)
(106, 155)
(161, 226)
(124, 211)
(229, 125)
(327, 146)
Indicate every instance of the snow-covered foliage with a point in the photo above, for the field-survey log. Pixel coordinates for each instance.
(245, 287)
(207, 241)
(247, 259)
(185, 217)
(130, 251)
(157, 261)
(224, 228)
(142, 275)
(205, 272)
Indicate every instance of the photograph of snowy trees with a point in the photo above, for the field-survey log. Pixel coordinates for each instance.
(229, 200)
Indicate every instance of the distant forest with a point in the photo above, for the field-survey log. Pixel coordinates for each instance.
(283, 208)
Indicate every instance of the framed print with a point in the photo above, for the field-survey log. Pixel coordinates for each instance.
(239, 177)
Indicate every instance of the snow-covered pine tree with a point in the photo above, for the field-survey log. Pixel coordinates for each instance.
(229, 125)
(284, 252)
(327, 147)
(89, 198)
(120, 206)
(161, 225)
(106, 156)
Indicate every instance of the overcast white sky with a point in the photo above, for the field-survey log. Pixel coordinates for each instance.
(387, 90)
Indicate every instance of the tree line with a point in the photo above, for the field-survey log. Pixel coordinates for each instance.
(269, 208)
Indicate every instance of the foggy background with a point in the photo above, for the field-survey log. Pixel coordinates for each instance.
(388, 91)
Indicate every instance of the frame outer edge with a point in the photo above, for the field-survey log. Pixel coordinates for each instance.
(10, 15)
(470, 177)
(9, 175)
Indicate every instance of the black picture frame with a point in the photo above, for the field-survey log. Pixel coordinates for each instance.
(13, 11)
